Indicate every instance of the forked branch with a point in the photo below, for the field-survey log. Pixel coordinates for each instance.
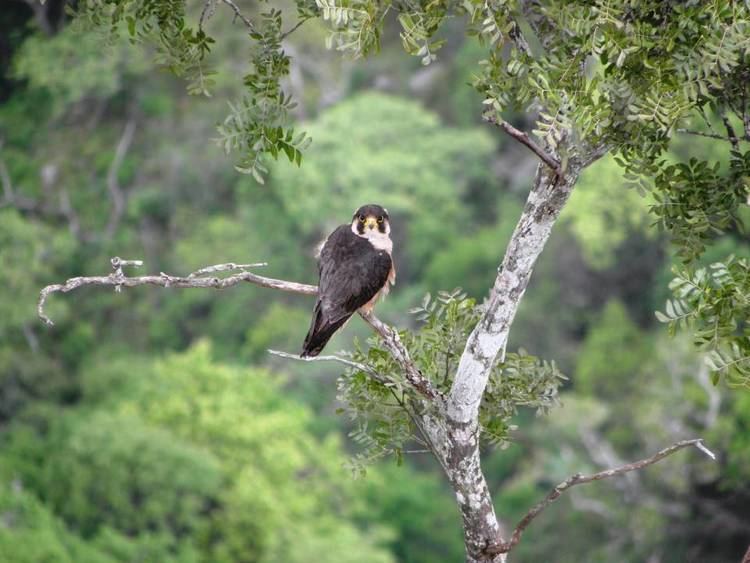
(524, 139)
(579, 479)
(202, 278)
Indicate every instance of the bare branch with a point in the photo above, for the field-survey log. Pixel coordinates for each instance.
(524, 139)
(294, 28)
(225, 267)
(401, 355)
(208, 10)
(352, 364)
(238, 14)
(579, 479)
(704, 134)
(113, 185)
(118, 280)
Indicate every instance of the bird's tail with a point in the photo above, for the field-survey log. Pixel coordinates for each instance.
(321, 331)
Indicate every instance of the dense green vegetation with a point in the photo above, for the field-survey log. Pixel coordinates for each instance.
(151, 425)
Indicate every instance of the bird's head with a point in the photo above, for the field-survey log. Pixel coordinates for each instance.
(371, 221)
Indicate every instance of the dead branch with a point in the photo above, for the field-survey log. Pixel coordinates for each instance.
(349, 363)
(579, 479)
(198, 279)
(524, 139)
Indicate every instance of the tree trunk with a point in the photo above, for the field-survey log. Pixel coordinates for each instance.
(480, 524)
(457, 434)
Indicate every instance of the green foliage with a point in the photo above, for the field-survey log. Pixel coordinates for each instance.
(602, 213)
(714, 303)
(257, 125)
(470, 261)
(611, 355)
(154, 484)
(40, 249)
(85, 72)
(695, 202)
(31, 533)
(381, 409)
(281, 495)
(281, 325)
(191, 460)
(415, 504)
(520, 380)
(356, 24)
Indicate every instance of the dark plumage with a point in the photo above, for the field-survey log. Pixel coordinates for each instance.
(353, 272)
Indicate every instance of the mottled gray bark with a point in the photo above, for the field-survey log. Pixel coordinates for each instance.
(486, 343)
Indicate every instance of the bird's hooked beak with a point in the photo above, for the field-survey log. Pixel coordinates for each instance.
(371, 223)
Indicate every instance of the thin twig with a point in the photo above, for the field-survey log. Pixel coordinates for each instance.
(294, 28)
(239, 14)
(704, 134)
(330, 358)
(208, 10)
(579, 479)
(524, 139)
(118, 280)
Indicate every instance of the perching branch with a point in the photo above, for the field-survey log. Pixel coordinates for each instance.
(239, 14)
(349, 363)
(524, 139)
(579, 479)
(199, 279)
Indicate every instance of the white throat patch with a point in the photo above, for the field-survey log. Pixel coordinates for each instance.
(381, 241)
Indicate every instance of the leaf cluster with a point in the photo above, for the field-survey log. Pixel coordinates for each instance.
(382, 408)
(257, 125)
(714, 302)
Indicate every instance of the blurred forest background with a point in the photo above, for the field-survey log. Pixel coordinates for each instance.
(152, 425)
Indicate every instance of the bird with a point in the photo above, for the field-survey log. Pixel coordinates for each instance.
(356, 268)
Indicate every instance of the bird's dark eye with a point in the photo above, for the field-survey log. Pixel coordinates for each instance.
(380, 219)
(361, 218)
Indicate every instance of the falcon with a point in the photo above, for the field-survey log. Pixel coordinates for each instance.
(356, 269)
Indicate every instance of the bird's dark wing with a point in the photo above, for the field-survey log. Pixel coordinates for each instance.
(352, 272)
